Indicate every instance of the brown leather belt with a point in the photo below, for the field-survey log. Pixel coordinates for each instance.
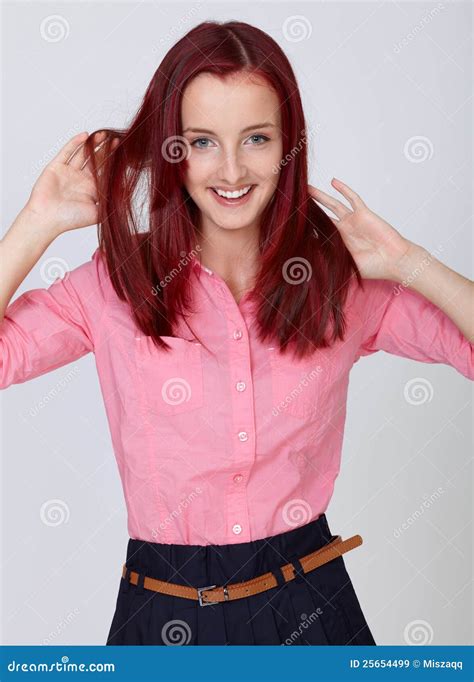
(263, 582)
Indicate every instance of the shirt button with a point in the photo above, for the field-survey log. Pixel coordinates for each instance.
(243, 435)
(237, 334)
(238, 478)
(237, 528)
(240, 385)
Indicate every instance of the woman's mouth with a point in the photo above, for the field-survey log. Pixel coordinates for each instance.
(224, 201)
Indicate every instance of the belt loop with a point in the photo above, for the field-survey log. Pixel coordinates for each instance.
(325, 531)
(280, 578)
(140, 584)
(126, 580)
(298, 568)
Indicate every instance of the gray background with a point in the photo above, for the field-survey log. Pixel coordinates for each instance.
(374, 77)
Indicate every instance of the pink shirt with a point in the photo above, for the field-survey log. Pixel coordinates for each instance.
(228, 443)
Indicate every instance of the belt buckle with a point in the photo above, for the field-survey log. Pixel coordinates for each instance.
(200, 590)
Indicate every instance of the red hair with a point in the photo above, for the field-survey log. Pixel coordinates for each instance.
(294, 231)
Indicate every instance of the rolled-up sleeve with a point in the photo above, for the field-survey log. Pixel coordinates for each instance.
(403, 322)
(46, 328)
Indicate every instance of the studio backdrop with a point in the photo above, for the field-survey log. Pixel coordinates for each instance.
(386, 89)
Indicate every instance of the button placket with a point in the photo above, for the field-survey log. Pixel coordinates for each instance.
(240, 377)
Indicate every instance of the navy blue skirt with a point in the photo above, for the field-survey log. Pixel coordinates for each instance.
(319, 607)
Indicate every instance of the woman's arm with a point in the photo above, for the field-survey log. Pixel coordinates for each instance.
(20, 249)
(381, 252)
(448, 290)
(64, 197)
(46, 328)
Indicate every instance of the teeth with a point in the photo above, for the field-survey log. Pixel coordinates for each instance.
(233, 195)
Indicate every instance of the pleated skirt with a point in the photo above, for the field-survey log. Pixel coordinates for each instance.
(316, 608)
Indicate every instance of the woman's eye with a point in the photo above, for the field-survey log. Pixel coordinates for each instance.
(199, 139)
(264, 137)
(206, 139)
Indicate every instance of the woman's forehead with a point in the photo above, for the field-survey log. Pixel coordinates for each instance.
(218, 104)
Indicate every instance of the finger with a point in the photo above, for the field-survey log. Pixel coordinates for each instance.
(78, 157)
(352, 197)
(336, 206)
(87, 163)
(66, 151)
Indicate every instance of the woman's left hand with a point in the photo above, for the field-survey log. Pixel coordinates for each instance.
(376, 247)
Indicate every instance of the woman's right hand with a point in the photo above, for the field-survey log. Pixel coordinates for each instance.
(65, 196)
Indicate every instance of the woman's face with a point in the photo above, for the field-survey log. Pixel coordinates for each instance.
(230, 148)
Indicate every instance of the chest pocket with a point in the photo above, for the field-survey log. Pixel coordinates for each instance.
(299, 386)
(171, 382)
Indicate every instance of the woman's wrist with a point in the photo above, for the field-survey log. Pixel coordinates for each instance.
(407, 268)
(34, 226)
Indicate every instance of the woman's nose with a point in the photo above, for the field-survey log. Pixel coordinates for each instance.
(231, 168)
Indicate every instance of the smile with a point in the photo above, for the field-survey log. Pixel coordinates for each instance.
(237, 200)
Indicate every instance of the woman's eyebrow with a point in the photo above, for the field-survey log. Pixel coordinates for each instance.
(267, 124)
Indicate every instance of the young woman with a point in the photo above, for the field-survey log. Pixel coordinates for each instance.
(224, 331)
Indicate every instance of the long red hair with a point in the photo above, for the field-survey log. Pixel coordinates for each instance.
(296, 235)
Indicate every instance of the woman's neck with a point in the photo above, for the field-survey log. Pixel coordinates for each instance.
(234, 257)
